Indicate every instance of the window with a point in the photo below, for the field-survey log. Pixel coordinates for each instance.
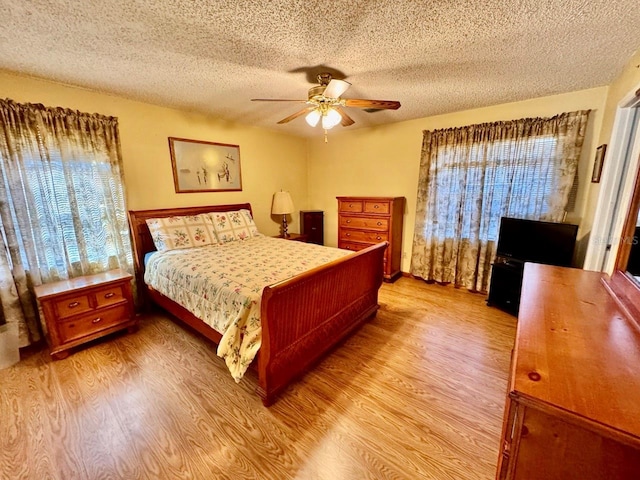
(504, 175)
(59, 190)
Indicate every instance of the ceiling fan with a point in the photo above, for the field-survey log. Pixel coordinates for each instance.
(324, 104)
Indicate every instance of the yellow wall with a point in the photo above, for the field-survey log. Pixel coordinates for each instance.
(270, 161)
(627, 82)
(378, 161)
(384, 161)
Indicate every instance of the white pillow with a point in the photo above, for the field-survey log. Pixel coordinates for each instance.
(187, 231)
(234, 225)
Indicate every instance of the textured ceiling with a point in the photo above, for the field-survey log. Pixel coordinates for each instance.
(434, 56)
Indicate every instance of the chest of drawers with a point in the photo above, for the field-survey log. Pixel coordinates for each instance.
(364, 221)
(85, 308)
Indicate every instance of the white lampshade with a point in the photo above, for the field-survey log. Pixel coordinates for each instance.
(331, 119)
(313, 117)
(282, 203)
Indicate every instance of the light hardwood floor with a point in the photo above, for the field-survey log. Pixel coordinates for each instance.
(417, 393)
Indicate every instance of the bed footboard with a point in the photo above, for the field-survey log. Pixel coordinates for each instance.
(305, 316)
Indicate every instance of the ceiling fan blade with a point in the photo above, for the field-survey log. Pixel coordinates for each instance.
(346, 119)
(336, 88)
(373, 104)
(276, 100)
(296, 115)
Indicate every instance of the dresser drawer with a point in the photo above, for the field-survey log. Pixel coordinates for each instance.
(109, 296)
(72, 306)
(362, 236)
(379, 224)
(354, 206)
(377, 207)
(92, 323)
(354, 247)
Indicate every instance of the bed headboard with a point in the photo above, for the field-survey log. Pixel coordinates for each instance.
(142, 242)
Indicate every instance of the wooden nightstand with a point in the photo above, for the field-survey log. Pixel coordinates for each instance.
(312, 224)
(296, 237)
(85, 308)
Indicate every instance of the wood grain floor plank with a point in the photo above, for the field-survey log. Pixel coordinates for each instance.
(418, 392)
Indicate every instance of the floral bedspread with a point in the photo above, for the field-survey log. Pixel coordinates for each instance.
(222, 285)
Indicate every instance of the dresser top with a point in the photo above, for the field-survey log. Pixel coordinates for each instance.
(80, 283)
(575, 349)
(376, 199)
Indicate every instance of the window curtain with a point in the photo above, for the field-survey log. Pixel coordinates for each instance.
(62, 208)
(472, 176)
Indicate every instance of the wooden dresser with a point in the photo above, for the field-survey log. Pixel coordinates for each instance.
(365, 221)
(85, 308)
(573, 403)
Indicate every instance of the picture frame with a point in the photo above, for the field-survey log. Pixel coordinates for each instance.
(598, 163)
(200, 166)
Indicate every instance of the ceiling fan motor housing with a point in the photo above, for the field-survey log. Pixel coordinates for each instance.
(316, 93)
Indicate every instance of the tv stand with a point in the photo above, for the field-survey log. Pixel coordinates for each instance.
(506, 284)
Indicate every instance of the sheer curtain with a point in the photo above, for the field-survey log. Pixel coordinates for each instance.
(62, 207)
(472, 176)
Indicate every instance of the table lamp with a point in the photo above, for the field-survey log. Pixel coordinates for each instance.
(282, 205)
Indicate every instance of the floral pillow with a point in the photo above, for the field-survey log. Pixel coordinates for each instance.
(235, 225)
(187, 231)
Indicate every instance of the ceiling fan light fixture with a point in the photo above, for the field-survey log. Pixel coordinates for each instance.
(331, 118)
(313, 117)
(324, 102)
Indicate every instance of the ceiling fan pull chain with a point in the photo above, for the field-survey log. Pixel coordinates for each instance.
(326, 140)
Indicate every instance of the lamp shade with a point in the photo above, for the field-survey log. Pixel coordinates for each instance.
(313, 117)
(331, 118)
(282, 203)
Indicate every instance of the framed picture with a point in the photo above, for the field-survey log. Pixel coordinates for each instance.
(205, 166)
(597, 164)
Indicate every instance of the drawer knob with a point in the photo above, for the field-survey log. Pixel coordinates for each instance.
(351, 205)
(376, 206)
(73, 304)
(109, 295)
(378, 237)
(379, 223)
(348, 234)
(348, 221)
(96, 320)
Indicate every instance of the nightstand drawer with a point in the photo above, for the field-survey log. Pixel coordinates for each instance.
(377, 207)
(91, 323)
(355, 206)
(361, 236)
(73, 306)
(109, 296)
(381, 224)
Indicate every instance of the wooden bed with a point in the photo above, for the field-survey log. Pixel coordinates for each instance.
(302, 318)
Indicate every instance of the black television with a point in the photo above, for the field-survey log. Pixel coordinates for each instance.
(536, 241)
